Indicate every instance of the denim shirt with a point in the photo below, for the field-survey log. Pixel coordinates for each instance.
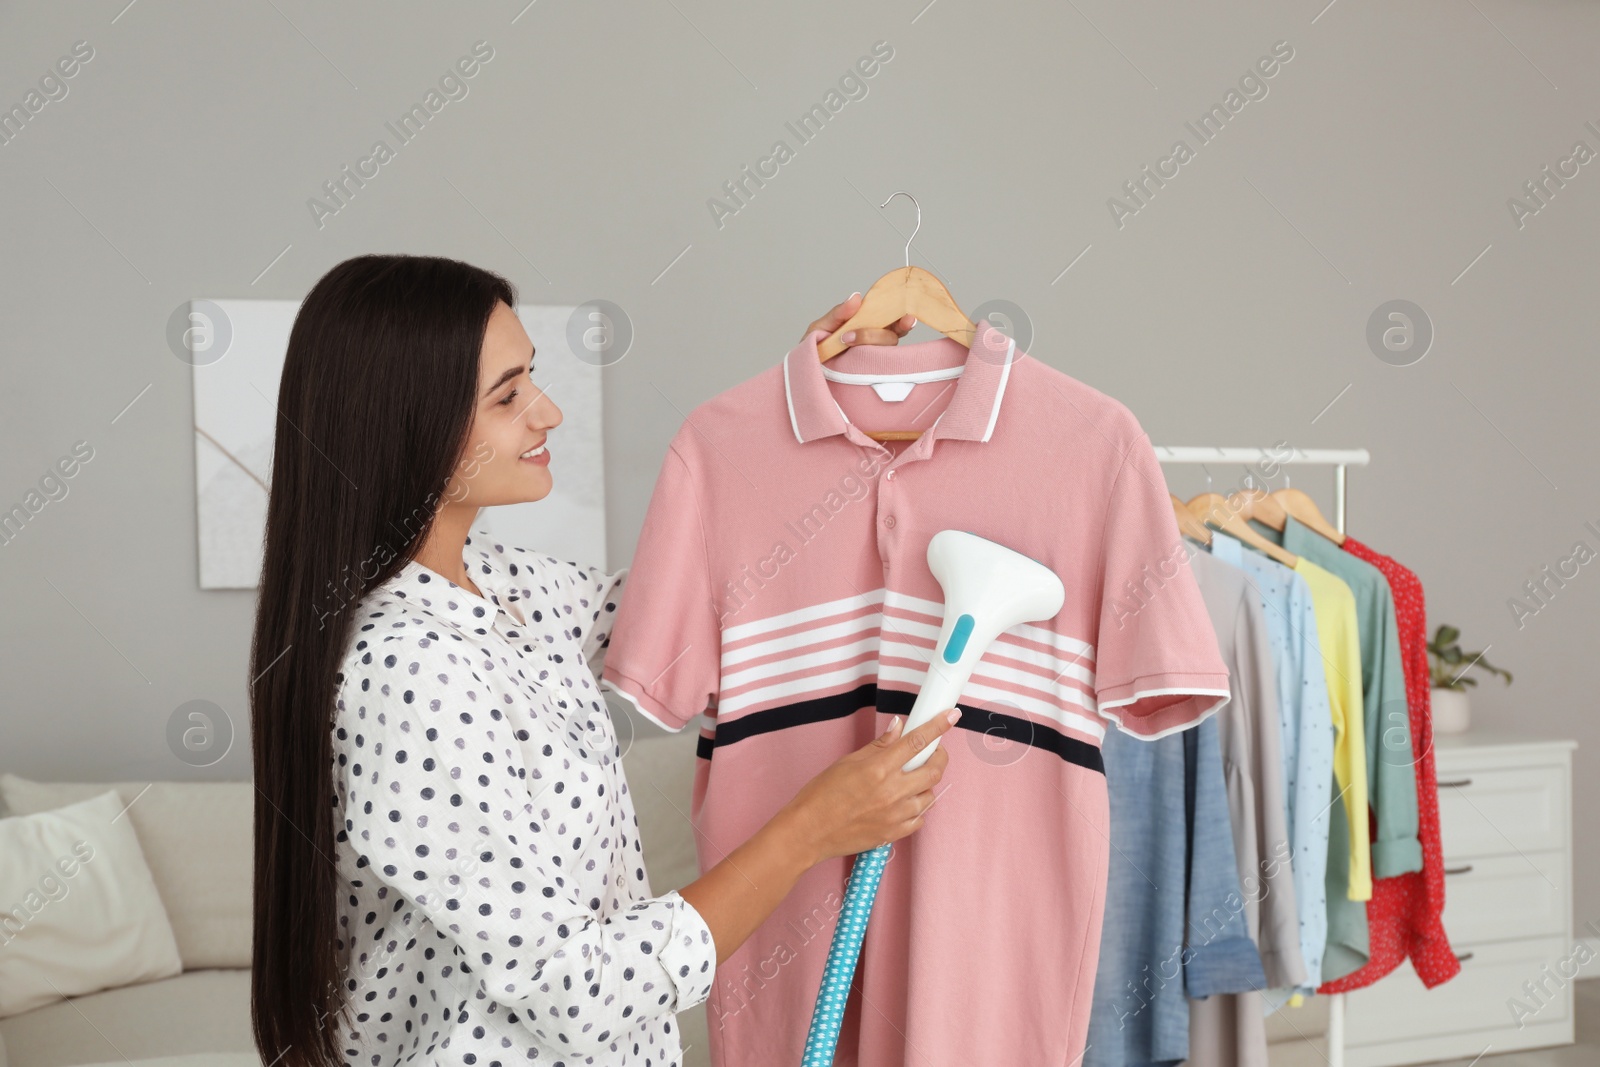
(1175, 917)
(1174, 923)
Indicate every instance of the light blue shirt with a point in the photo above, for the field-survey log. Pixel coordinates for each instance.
(1307, 737)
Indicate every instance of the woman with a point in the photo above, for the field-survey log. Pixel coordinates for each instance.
(477, 893)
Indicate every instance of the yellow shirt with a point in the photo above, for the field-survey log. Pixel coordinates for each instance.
(1335, 609)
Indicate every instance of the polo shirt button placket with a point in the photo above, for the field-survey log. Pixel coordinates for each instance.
(887, 520)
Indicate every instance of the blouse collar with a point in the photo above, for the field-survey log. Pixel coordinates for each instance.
(443, 598)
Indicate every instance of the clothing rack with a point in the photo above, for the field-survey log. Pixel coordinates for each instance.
(1340, 459)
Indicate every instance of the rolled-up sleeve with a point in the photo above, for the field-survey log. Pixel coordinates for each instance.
(458, 813)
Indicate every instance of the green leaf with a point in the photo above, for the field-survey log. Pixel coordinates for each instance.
(1486, 665)
(1445, 634)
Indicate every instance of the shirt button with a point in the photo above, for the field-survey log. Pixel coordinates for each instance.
(889, 476)
(889, 522)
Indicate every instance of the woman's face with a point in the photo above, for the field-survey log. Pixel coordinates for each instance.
(511, 417)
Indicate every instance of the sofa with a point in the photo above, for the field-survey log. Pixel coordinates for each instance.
(196, 838)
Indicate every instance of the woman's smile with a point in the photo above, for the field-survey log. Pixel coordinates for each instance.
(539, 455)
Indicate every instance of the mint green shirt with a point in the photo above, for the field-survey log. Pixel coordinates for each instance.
(1391, 765)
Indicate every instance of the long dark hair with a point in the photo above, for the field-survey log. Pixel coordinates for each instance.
(374, 409)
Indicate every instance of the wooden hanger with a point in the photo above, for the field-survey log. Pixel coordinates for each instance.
(1305, 511)
(1188, 525)
(1213, 508)
(904, 291)
(1256, 504)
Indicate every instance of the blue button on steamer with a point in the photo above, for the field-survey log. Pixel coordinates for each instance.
(958, 638)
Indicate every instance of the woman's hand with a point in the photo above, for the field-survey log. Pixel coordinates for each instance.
(860, 802)
(874, 336)
(865, 799)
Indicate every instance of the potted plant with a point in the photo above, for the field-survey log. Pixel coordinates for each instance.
(1449, 665)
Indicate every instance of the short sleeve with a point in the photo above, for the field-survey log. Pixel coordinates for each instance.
(1157, 666)
(665, 654)
(440, 805)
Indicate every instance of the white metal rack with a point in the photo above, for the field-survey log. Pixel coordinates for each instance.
(1340, 459)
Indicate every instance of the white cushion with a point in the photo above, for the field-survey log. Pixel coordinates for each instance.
(197, 838)
(79, 911)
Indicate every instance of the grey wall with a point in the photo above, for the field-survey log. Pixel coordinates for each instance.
(1230, 309)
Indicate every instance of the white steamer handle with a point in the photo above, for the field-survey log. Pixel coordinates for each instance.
(957, 651)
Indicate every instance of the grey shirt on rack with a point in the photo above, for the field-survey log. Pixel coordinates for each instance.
(1229, 1030)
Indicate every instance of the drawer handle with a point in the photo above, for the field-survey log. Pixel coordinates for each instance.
(1458, 870)
(1459, 783)
(1463, 957)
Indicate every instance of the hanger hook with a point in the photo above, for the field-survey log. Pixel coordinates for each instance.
(918, 226)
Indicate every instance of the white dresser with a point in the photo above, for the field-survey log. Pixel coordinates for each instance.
(1505, 813)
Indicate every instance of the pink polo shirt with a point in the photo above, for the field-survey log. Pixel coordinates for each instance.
(781, 586)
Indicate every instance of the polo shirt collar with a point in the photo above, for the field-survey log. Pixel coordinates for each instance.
(444, 599)
(972, 411)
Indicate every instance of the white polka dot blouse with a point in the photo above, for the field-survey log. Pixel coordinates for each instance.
(493, 903)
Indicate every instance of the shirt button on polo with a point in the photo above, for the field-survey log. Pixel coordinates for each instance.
(888, 476)
(889, 522)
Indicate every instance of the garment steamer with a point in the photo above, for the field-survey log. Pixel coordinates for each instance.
(988, 589)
